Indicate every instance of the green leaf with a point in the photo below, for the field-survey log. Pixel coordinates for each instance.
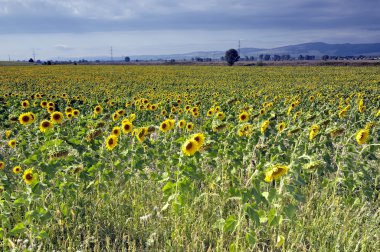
(18, 229)
(43, 235)
(250, 237)
(230, 224)
(290, 211)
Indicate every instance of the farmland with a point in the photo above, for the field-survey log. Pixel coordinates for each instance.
(189, 158)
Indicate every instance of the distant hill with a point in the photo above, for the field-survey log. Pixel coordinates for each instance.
(317, 49)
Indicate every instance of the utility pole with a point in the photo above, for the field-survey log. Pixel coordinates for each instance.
(239, 47)
(111, 54)
(34, 55)
(9, 58)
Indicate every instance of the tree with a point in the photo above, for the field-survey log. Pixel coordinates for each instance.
(127, 59)
(232, 56)
(325, 57)
(31, 60)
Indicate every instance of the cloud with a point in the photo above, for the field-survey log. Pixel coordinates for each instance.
(22, 16)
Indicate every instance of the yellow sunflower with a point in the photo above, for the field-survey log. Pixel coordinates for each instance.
(46, 125)
(244, 116)
(362, 136)
(25, 104)
(190, 147)
(98, 109)
(2, 165)
(116, 131)
(127, 127)
(313, 131)
(30, 177)
(165, 126)
(281, 126)
(44, 104)
(12, 143)
(50, 109)
(275, 172)
(199, 138)
(76, 113)
(111, 142)
(8, 133)
(264, 126)
(17, 169)
(56, 117)
(25, 119)
(220, 115)
(181, 123)
(189, 126)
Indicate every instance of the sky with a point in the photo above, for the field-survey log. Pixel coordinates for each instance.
(59, 29)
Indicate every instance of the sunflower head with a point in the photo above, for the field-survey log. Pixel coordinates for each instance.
(98, 109)
(25, 119)
(25, 104)
(116, 131)
(281, 126)
(111, 142)
(362, 136)
(190, 147)
(264, 126)
(275, 172)
(56, 117)
(127, 127)
(30, 176)
(243, 117)
(17, 169)
(76, 113)
(45, 125)
(181, 123)
(199, 138)
(165, 126)
(189, 126)
(12, 143)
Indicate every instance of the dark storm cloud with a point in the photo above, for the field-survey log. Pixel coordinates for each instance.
(48, 16)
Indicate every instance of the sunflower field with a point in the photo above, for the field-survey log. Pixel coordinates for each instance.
(189, 158)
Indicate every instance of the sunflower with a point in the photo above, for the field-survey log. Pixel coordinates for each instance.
(98, 109)
(30, 177)
(127, 127)
(111, 142)
(189, 126)
(199, 138)
(121, 112)
(76, 113)
(115, 116)
(313, 131)
(70, 115)
(25, 118)
(12, 143)
(132, 117)
(281, 126)
(171, 123)
(244, 116)
(163, 112)
(25, 104)
(50, 109)
(68, 110)
(378, 113)
(56, 117)
(181, 123)
(46, 125)
(116, 131)
(165, 126)
(8, 133)
(44, 104)
(220, 115)
(190, 147)
(17, 169)
(264, 126)
(1, 188)
(210, 112)
(362, 136)
(262, 111)
(141, 133)
(2, 165)
(51, 104)
(275, 172)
